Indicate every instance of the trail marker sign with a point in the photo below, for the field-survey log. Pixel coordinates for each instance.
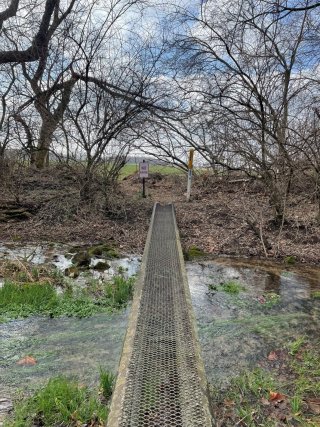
(144, 169)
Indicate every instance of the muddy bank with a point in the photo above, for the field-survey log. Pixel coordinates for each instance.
(225, 216)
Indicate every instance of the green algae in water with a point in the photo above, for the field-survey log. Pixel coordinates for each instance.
(61, 346)
(238, 331)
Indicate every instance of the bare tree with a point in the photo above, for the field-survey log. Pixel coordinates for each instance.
(97, 123)
(14, 37)
(242, 72)
(8, 79)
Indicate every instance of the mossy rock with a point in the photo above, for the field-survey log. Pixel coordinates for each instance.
(81, 259)
(193, 252)
(103, 250)
(101, 266)
(72, 272)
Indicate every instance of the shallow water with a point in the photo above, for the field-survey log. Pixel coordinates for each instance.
(236, 331)
(61, 346)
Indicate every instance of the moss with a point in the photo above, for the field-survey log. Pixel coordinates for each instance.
(72, 272)
(103, 250)
(81, 259)
(101, 266)
(193, 252)
(289, 260)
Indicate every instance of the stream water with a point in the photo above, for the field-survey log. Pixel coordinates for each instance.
(275, 306)
(61, 346)
(235, 330)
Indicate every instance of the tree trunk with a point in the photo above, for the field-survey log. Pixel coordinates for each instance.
(41, 158)
(276, 196)
(86, 187)
(44, 143)
(277, 204)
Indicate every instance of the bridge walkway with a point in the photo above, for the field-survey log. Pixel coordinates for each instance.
(161, 379)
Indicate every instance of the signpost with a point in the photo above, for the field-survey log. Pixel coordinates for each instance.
(190, 167)
(143, 173)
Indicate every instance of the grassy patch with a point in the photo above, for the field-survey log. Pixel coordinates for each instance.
(61, 402)
(231, 287)
(106, 383)
(305, 363)
(130, 169)
(286, 391)
(193, 252)
(24, 299)
(295, 345)
(270, 299)
(119, 291)
(240, 404)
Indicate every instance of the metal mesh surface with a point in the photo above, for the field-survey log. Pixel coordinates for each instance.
(163, 386)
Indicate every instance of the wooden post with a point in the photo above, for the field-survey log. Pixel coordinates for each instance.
(144, 172)
(190, 167)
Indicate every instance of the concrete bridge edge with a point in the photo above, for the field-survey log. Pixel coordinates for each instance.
(114, 417)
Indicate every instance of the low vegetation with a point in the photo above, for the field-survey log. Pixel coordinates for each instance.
(285, 390)
(193, 252)
(64, 403)
(231, 287)
(22, 299)
(107, 380)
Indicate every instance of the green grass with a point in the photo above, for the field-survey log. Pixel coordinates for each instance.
(250, 398)
(130, 169)
(18, 300)
(244, 395)
(62, 403)
(315, 294)
(106, 383)
(306, 368)
(233, 288)
(119, 291)
(296, 345)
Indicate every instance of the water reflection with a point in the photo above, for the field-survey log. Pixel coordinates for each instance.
(236, 331)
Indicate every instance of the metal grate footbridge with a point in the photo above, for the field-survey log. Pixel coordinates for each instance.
(161, 379)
